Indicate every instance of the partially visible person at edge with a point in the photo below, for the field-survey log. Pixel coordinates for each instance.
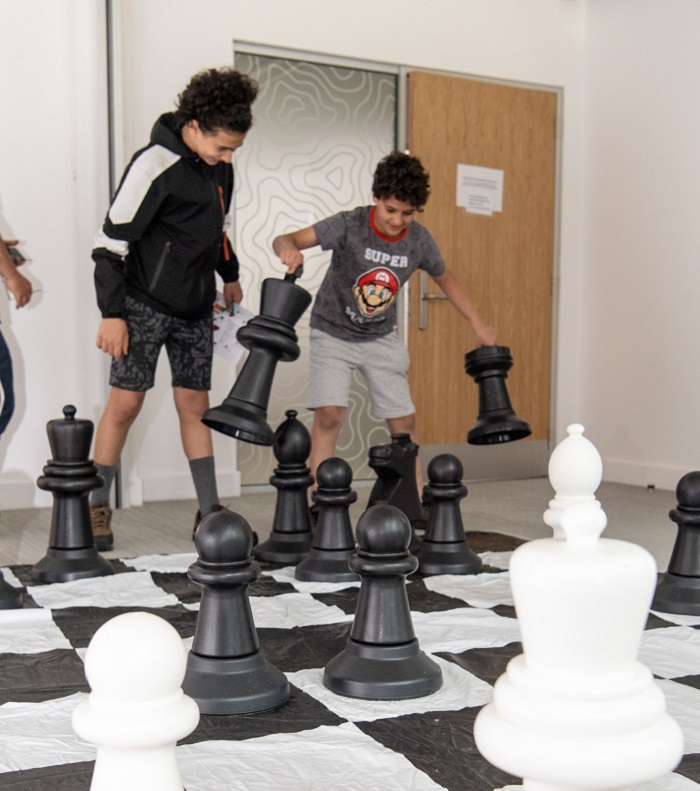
(353, 321)
(21, 289)
(164, 238)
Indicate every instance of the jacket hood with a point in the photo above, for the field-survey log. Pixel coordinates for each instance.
(166, 133)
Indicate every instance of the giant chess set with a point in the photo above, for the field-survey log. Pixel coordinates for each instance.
(561, 663)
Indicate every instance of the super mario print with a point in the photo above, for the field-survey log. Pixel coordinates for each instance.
(375, 290)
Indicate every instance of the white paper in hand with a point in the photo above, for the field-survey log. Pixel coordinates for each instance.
(226, 325)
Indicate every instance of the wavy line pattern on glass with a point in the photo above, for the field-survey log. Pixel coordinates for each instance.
(317, 135)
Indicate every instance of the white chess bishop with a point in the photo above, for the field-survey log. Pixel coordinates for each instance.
(576, 711)
(136, 711)
(575, 472)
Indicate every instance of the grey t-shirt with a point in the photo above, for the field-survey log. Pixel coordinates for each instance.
(357, 298)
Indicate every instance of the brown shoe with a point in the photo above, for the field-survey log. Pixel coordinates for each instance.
(101, 519)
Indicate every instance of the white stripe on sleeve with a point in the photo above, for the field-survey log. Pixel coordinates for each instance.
(116, 246)
(142, 173)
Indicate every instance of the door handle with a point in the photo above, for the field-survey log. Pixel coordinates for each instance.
(424, 297)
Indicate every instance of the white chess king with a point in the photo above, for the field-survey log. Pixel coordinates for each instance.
(576, 711)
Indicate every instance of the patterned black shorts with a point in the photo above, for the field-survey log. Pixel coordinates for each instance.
(189, 345)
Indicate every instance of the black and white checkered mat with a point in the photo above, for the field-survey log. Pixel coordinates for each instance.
(317, 740)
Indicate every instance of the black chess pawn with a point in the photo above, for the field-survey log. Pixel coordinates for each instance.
(291, 537)
(70, 476)
(444, 549)
(10, 597)
(678, 590)
(497, 422)
(333, 543)
(382, 659)
(226, 671)
(395, 465)
(270, 337)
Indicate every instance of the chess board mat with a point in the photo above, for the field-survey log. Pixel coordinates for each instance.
(317, 740)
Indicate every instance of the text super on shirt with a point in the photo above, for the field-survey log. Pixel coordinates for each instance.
(357, 298)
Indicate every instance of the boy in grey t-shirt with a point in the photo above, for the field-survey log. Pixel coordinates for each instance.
(353, 321)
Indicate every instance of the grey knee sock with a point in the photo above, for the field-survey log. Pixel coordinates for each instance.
(204, 477)
(101, 496)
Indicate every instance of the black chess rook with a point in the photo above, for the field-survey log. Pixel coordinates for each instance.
(291, 537)
(444, 548)
(333, 543)
(382, 659)
(497, 422)
(70, 476)
(226, 671)
(678, 590)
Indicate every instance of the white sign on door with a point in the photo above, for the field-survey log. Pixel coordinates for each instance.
(479, 190)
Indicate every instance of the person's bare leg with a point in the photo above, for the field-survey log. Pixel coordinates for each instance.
(328, 420)
(407, 425)
(123, 406)
(196, 437)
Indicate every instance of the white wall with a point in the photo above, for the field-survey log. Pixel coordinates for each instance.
(640, 334)
(52, 190)
(625, 330)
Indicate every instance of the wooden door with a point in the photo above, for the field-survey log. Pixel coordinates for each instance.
(505, 260)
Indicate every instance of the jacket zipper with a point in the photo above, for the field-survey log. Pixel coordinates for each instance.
(159, 267)
(227, 254)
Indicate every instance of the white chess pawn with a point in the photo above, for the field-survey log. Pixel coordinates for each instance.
(575, 472)
(136, 711)
(576, 711)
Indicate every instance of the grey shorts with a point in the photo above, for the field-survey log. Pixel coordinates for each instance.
(383, 363)
(189, 345)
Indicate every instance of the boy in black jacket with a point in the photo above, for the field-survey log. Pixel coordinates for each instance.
(155, 262)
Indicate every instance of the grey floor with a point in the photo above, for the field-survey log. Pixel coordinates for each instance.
(511, 507)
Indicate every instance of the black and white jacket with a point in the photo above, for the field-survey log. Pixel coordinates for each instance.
(165, 232)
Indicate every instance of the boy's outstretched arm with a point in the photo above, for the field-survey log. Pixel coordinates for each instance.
(484, 335)
(288, 246)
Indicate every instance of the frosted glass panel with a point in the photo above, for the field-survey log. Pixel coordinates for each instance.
(317, 136)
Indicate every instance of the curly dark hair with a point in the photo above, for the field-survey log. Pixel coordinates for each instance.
(218, 99)
(402, 176)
